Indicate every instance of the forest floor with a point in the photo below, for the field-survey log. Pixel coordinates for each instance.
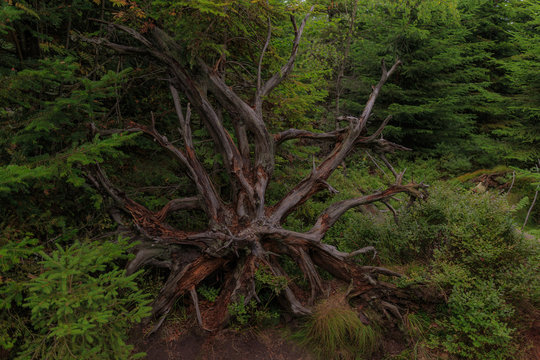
(180, 338)
(192, 344)
(532, 338)
(176, 341)
(183, 340)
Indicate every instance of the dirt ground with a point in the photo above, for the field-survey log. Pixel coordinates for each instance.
(184, 340)
(533, 338)
(170, 344)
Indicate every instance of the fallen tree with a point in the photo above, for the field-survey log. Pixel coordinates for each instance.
(245, 233)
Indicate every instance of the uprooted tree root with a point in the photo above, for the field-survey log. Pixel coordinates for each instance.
(245, 233)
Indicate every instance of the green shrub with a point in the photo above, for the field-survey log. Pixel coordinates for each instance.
(240, 311)
(245, 314)
(334, 331)
(264, 279)
(453, 224)
(485, 267)
(82, 304)
(15, 250)
(522, 280)
(480, 233)
(209, 293)
(477, 325)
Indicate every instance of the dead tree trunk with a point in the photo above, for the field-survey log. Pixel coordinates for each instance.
(245, 233)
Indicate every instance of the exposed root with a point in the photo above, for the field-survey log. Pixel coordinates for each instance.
(191, 266)
(142, 257)
(309, 270)
(393, 309)
(245, 232)
(180, 282)
(195, 300)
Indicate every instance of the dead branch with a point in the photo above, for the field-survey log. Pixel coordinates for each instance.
(278, 77)
(291, 134)
(311, 185)
(189, 203)
(334, 211)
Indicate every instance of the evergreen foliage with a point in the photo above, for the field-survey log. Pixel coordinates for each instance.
(82, 304)
(522, 135)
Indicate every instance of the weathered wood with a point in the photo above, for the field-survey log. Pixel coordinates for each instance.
(247, 233)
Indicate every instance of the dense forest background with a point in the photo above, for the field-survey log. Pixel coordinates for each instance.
(465, 102)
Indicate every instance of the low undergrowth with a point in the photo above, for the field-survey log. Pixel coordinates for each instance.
(334, 331)
(75, 303)
(459, 243)
(487, 271)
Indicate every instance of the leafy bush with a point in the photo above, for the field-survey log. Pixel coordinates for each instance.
(334, 331)
(484, 266)
(419, 230)
(453, 224)
(209, 293)
(477, 325)
(264, 279)
(465, 244)
(240, 311)
(522, 281)
(82, 304)
(244, 314)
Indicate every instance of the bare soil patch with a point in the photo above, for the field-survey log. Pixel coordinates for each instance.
(194, 344)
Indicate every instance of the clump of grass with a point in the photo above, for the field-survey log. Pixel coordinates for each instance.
(334, 331)
(416, 326)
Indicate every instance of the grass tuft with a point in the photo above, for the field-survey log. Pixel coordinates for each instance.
(334, 331)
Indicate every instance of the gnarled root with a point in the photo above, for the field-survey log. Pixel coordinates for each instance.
(238, 284)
